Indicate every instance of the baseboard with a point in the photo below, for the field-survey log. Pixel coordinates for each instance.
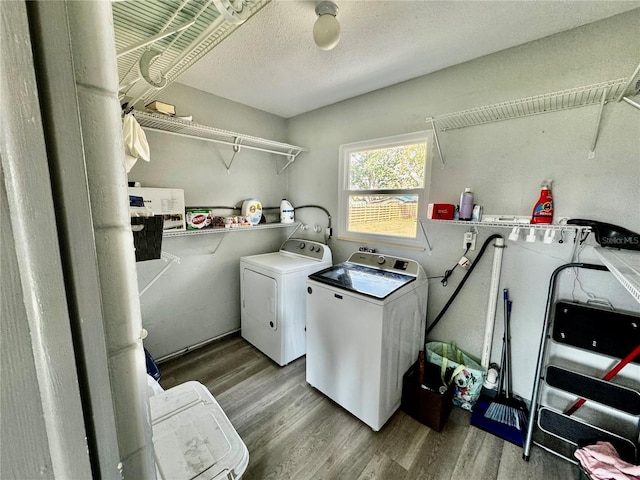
(196, 346)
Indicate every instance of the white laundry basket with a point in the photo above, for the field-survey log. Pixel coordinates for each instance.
(192, 437)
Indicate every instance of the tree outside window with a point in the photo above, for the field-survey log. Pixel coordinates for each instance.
(384, 185)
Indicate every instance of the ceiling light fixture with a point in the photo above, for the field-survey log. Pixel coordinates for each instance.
(326, 30)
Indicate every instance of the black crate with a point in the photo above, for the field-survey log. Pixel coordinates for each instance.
(148, 239)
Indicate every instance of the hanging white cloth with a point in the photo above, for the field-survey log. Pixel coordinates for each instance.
(135, 142)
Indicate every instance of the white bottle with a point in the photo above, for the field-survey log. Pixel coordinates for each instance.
(286, 212)
(466, 204)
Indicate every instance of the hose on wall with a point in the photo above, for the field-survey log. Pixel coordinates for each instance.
(460, 285)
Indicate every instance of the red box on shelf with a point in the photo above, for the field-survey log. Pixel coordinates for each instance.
(440, 211)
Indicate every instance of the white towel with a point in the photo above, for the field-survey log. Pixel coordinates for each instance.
(135, 142)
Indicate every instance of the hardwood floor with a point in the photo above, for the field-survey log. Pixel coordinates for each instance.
(294, 432)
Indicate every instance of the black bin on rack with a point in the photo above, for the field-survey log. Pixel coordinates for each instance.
(147, 237)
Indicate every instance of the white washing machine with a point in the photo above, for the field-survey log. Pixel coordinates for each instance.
(273, 297)
(365, 326)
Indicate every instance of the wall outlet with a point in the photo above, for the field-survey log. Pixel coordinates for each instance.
(469, 238)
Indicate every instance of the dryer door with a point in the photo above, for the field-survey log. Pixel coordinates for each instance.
(260, 299)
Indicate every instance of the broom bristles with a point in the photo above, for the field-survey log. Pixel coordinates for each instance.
(507, 415)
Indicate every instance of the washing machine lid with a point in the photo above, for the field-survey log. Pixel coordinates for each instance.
(369, 281)
(371, 274)
(193, 438)
(283, 263)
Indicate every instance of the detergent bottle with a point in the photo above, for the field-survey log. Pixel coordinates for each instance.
(466, 205)
(252, 209)
(286, 212)
(543, 210)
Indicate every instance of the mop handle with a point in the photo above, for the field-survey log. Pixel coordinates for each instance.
(507, 358)
(610, 374)
(503, 356)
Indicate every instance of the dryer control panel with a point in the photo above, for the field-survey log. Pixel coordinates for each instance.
(306, 248)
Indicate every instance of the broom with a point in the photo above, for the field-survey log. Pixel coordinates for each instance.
(504, 408)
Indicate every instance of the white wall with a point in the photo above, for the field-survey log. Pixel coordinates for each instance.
(504, 164)
(199, 298)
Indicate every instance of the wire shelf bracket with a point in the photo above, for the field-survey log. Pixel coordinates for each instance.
(432, 121)
(632, 87)
(167, 257)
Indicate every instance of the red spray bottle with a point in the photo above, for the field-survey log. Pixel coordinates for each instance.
(543, 210)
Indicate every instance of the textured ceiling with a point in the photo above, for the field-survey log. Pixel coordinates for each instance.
(272, 64)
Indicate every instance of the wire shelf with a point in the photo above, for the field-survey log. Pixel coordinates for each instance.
(177, 126)
(514, 224)
(214, 230)
(180, 32)
(549, 102)
(625, 266)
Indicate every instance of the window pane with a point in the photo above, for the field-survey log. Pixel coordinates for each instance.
(383, 214)
(400, 167)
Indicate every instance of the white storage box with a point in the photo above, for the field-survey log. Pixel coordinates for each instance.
(168, 202)
(192, 437)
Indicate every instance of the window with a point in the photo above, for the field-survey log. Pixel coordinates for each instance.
(383, 189)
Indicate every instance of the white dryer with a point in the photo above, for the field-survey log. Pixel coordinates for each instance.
(273, 298)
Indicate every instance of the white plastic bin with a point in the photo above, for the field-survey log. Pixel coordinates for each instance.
(192, 437)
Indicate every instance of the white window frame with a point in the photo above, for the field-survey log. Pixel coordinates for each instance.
(423, 193)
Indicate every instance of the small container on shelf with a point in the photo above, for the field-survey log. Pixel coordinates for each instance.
(466, 205)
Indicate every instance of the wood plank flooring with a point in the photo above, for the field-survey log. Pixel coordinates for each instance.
(294, 432)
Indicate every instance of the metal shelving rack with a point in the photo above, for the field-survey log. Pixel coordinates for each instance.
(184, 128)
